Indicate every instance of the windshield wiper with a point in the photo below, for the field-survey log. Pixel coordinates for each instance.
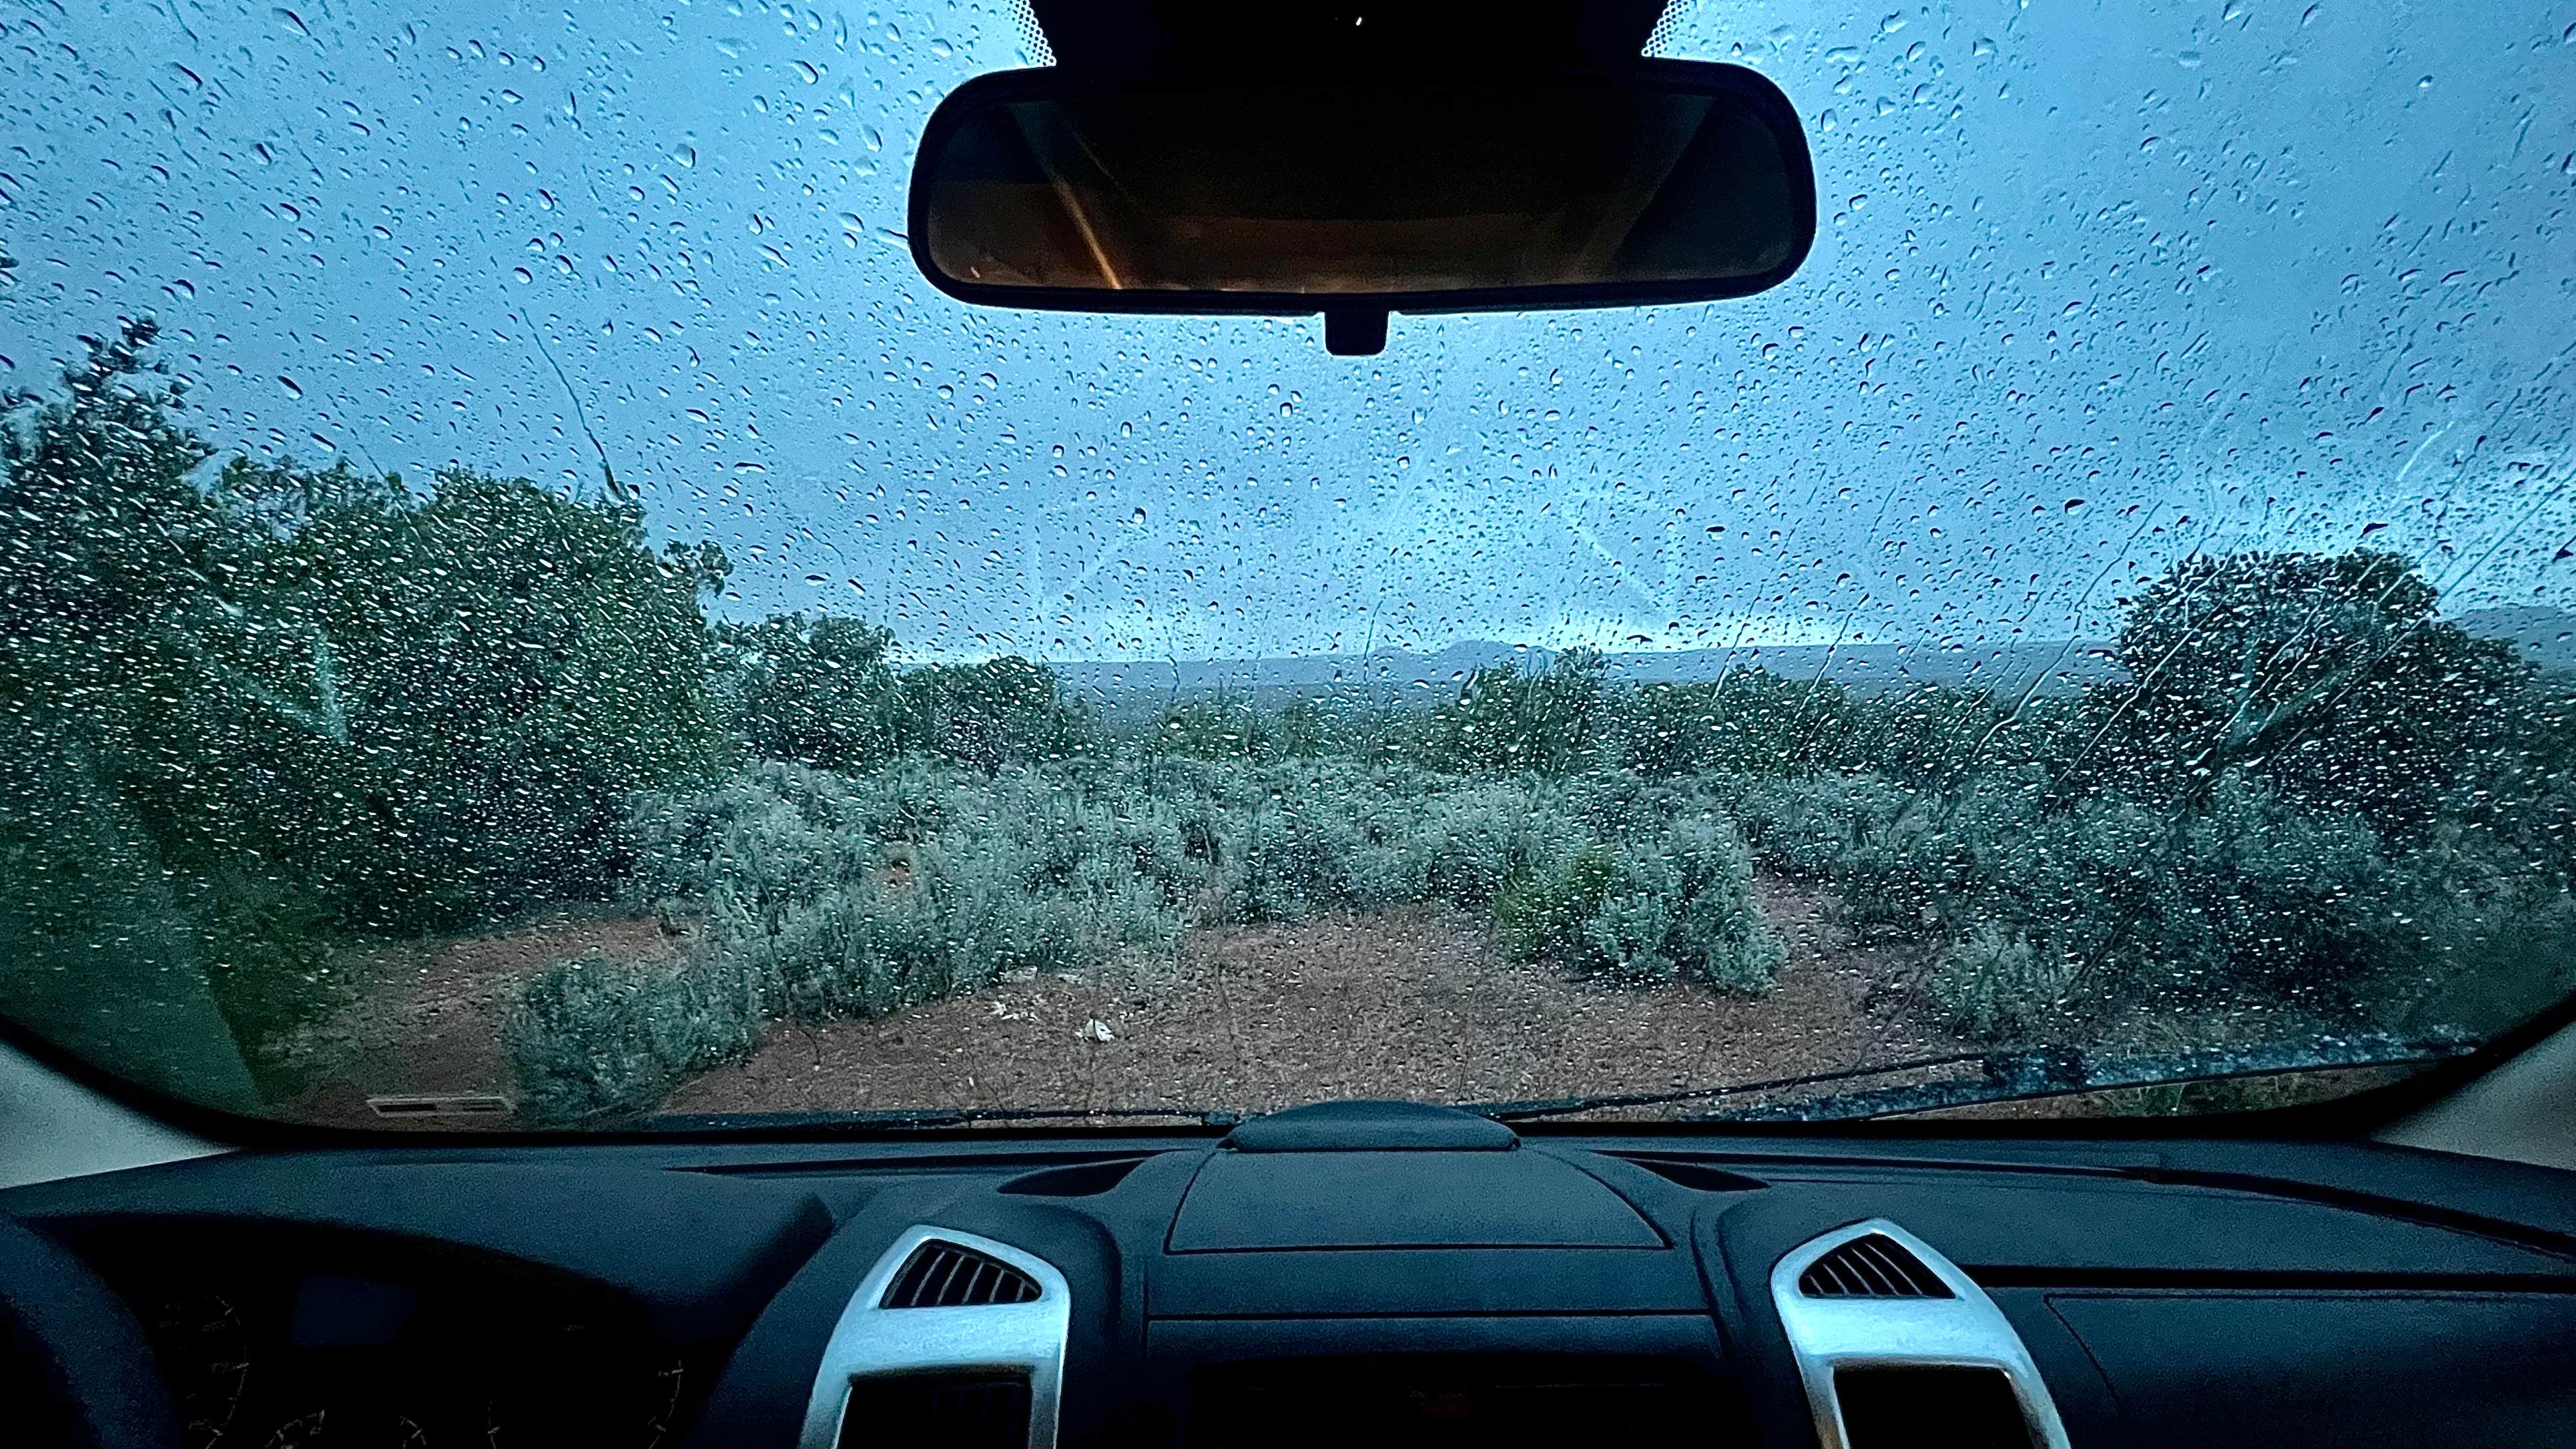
(1567, 1106)
(901, 1119)
(2061, 1072)
(1999, 1076)
(2006, 1076)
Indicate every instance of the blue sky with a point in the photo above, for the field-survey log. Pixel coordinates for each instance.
(2099, 283)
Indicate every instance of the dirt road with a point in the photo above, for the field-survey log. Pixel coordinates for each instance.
(430, 1022)
(1415, 1002)
(1412, 1003)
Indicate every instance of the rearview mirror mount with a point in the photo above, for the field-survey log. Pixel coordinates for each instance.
(1357, 195)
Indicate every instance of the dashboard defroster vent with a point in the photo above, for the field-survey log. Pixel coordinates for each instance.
(1874, 1266)
(945, 1275)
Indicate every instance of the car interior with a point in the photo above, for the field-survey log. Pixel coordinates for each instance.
(1984, 1245)
(2399, 1271)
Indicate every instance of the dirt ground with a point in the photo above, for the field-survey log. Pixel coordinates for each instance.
(430, 1024)
(1415, 1002)
(1412, 1003)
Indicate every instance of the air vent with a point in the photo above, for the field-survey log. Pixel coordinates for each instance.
(944, 1275)
(953, 1413)
(1875, 1266)
(1900, 1350)
(985, 1368)
(1929, 1408)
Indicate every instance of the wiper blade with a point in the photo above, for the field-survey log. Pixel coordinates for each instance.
(900, 1119)
(1569, 1106)
(2003, 1076)
(2000, 1076)
(2064, 1072)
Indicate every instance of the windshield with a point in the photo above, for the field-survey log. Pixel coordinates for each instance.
(519, 606)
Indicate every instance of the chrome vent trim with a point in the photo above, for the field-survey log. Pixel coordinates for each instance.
(1872, 1265)
(942, 1274)
(877, 1337)
(1962, 1328)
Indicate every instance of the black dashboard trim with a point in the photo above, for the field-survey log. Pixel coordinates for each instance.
(2208, 1216)
(1000, 1161)
(2221, 1280)
(1428, 1315)
(2559, 1244)
(701, 1256)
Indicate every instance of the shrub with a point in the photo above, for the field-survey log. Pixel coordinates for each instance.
(817, 691)
(1335, 835)
(596, 1037)
(1681, 910)
(2054, 912)
(1295, 856)
(1544, 913)
(1812, 828)
(1464, 844)
(825, 897)
(1232, 729)
(1505, 720)
(1994, 984)
(1718, 936)
(1308, 836)
(1751, 722)
(2477, 930)
(985, 716)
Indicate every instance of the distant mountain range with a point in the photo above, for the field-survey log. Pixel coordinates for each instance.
(1394, 677)
(2546, 636)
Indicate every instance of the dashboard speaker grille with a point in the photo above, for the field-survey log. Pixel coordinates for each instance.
(1876, 1266)
(944, 1275)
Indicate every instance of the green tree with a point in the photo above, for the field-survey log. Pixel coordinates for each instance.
(2330, 678)
(438, 704)
(818, 691)
(984, 716)
(101, 533)
(1751, 722)
(1550, 722)
(313, 700)
(108, 943)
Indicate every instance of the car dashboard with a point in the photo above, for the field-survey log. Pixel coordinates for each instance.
(1353, 1274)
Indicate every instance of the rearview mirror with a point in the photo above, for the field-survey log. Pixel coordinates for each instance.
(1356, 196)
